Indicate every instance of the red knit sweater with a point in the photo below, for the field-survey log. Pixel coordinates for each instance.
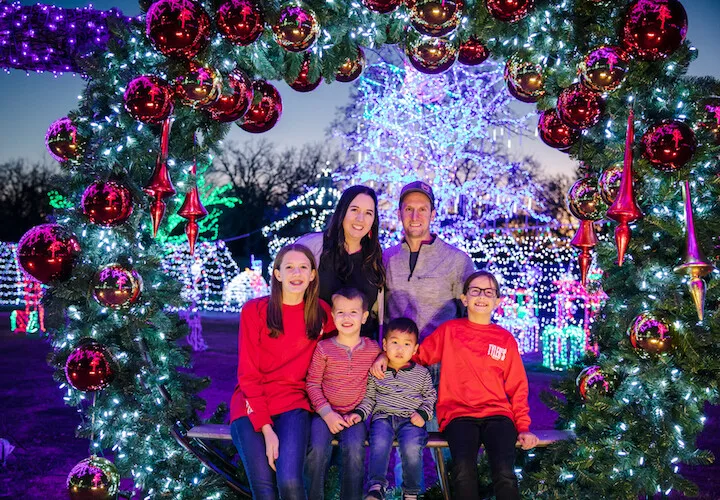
(481, 375)
(271, 371)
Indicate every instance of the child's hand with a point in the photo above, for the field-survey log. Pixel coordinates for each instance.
(527, 440)
(378, 368)
(352, 419)
(272, 445)
(417, 420)
(335, 422)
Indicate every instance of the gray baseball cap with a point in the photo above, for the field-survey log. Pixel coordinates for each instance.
(418, 187)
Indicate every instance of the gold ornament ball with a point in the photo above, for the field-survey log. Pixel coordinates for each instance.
(585, 201)
(651, 334)
(94, 478)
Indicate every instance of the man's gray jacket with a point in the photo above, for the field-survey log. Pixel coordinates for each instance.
(430, 295)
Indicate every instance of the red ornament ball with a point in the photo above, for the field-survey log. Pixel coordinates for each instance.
(63, 142)
(591, 378)
(231, 107)
(48, 252)
(177, 29)
(296, 28)
(654, 29)
(650, 334)
(303, 83)
(116, 287)
(669, 145)
(435, 17)
(200, 85)
(241, 21)
(524, 80)
(585, 201)
(430, 55)
(509, 11)
(351, 69)
(148, 99)
(265, 110)
(579, 107)
(94, 478)
(107, 203)
(554, 132)
(604, 68)
(382, 6)
(609, 183)
(90, 367)
(473, 52)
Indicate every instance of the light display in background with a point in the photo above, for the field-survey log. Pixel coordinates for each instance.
(518, 313)
(49, 38)
(20, 289)
(453, 131)
(568, 338)
(212, 279)
(31, 319)
(205, 275)
(308, 213)
(246, 285)
(12, 291)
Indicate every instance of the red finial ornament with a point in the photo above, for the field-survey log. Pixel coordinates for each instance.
(193, 210)
(694, 265)
(585, 240)
(625, 208)
(160, 186)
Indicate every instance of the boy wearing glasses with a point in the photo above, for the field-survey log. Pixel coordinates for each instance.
(483, 395)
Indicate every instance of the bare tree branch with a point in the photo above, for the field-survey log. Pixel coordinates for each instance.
(23, 195)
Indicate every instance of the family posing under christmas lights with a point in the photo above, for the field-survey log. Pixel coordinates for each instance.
(309, 372)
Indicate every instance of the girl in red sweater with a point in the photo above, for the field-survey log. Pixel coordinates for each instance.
(270, 410)
(483, 391)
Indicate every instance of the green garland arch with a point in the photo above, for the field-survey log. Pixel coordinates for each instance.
(629, 441)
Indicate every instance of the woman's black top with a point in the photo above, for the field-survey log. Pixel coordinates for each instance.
(330, 282)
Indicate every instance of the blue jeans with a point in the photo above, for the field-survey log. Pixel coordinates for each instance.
(411, 442)
(352, 456)
(292, 429)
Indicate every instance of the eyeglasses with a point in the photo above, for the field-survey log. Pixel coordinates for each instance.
(487, 292)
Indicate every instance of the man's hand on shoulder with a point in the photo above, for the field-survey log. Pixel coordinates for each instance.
(378, 368)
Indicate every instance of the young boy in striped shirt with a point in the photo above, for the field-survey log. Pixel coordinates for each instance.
(400, 404)
(336, 383)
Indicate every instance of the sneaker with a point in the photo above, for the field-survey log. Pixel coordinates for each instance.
(375, 493)
(410, 496)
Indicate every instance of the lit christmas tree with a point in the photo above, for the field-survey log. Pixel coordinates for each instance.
(449, 130)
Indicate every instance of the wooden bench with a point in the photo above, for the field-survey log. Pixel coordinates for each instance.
(435, 442)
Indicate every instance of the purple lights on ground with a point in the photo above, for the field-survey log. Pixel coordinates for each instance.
(48, 38)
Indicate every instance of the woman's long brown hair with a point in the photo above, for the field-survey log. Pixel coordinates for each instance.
(334, 240)
(314, 314)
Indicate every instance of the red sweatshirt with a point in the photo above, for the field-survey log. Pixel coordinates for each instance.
(481, 375)
(271, 371)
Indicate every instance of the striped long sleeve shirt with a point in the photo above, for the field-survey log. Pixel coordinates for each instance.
(337, 377)
(401, 393)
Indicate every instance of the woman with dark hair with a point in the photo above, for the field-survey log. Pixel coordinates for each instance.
(270, 409)
(349, 253)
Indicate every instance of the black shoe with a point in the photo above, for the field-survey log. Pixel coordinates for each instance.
(375, 494)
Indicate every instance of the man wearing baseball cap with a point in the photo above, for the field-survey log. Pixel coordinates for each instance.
(425, 274)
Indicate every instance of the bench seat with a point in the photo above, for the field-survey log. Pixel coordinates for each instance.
(435, 441)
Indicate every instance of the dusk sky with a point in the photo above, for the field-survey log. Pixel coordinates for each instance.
(30, 103)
